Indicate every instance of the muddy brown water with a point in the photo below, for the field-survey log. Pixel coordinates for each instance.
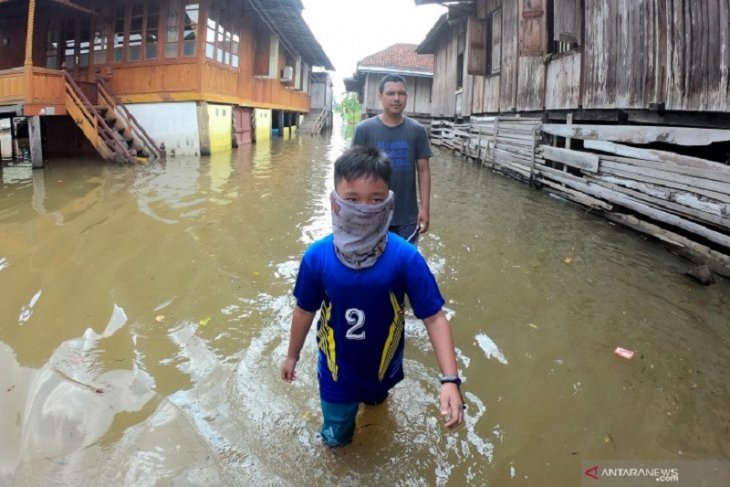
(144, 314)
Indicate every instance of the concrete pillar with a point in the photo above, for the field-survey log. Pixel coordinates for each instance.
(203, 128)
(36, 145)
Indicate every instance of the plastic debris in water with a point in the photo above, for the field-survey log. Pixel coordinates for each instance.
(622, 352)
(568, 260)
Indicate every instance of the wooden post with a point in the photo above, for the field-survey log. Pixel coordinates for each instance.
(28, 66)
(494, 146)
(36, 146)
(532, 156)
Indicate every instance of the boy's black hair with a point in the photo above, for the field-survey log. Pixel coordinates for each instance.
(363, 161)
(391, 78)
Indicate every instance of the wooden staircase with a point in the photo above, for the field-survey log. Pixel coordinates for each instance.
(108, 125)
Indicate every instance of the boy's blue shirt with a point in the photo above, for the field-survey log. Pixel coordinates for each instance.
(361, 327)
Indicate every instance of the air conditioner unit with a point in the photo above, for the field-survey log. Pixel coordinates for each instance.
(287, 74)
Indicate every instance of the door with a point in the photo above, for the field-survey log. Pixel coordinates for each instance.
(242, 125)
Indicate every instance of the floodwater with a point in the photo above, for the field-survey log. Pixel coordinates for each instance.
(144, 315)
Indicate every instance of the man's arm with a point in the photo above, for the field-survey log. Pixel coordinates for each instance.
(300, 323)
(423, 167)
(439, 332)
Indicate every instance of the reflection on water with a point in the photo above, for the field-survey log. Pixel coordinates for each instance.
(145, 313)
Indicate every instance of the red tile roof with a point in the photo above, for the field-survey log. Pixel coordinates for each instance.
(399, 57)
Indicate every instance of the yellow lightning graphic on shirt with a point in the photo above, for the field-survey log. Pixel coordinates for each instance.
(326, 339)
(395, 332)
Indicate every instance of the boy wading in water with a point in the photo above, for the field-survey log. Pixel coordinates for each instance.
(358, 278)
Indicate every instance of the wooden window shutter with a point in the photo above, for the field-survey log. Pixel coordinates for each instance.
(533, 36)
(477, 35)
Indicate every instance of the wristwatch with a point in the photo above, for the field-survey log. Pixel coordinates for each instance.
(453, 379)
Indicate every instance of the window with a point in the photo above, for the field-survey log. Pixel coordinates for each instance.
(173, 28)
(460, 48)
(564, 23)
(152, 30)
(219, 47)
(134, 45)
(100, 47)
(235, 43)
(119, 35)
(190, 31)
(69, 43)
(221, 44)
(52, 45)
(494, 41)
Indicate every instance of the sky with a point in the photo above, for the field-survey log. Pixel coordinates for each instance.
(349, 30)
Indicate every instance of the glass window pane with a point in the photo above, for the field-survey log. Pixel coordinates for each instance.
(189, 48)
(209, 51)
(172, 34)
(171, 50)
(234, 61)
(99, 47)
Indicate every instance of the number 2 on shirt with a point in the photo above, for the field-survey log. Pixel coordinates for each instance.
(356, 319)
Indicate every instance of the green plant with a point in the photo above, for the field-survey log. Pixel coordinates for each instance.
(351, 108)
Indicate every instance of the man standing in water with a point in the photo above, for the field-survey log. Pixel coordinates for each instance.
(406, 143)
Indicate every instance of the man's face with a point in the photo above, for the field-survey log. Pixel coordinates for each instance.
(393, 98)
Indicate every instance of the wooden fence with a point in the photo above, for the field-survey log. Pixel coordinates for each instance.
(682, 200)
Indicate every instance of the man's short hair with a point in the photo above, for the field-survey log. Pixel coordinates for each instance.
(391, 78)
(363, 161)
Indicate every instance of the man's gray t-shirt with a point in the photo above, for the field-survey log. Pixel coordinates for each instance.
(404, 144)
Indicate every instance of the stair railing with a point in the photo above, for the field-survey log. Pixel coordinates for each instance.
(137, 131)
(94, 118)
(319, 124)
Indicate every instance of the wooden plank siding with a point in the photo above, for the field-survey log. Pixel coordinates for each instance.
(444, 77)
(629, 55)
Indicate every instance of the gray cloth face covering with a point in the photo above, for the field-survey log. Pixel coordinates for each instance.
(360, 231)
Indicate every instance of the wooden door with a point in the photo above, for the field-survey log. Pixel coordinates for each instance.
(242, 125)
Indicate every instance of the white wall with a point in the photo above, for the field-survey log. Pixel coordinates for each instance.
(173, 123)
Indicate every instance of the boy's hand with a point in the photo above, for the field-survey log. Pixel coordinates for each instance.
(452, 405)
(288, 372)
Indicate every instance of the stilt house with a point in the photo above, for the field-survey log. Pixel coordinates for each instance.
(134, 76)
(622, 106)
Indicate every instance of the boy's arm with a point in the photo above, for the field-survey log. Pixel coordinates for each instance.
(439, 332)
(300, 323)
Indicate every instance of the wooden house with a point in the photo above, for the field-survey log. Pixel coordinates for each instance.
(402, 59)
(622, 106)
(189, 76)
(655, 61)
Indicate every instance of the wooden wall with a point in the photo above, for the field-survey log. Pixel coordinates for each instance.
(634, 54)
(675, 52)
(443, 99)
